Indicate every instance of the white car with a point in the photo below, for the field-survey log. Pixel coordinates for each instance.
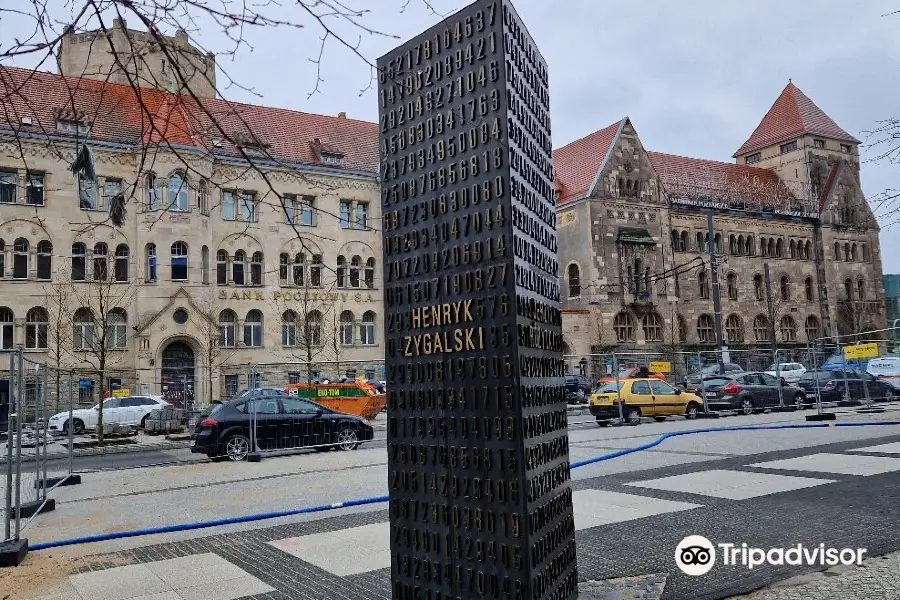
(886, 368)
(126, 410)
(790, 371)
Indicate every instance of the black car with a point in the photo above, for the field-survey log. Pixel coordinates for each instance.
(846, 386)
(577, 388)
(281, 423)
(749, 392)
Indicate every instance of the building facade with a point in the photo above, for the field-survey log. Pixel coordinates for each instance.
(635, 252)
(250, 238)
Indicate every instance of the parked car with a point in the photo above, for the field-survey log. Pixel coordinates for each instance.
(750, 392)
(887, 369)
(125, 410)
(265, 391)
(645, 397)
(577, 387)
(789, 371)
(282, 422)
(831, 386)
(692, 382)
(628, 374)
(837, 361)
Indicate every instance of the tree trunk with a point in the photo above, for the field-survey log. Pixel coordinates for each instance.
(100, 409)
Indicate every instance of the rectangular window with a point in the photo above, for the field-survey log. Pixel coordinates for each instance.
(111, 189)
(362, 216)
(345, 215)
(179, 268)
(347, 334)
(788, 146)
(299, 210)
(367, 333)
(753, 158)
(239, 206)
(231, 385)
(846, 148)
(228, 205)
(34, 192)
(248, 207)
(818, 144)
(86, 394)
(293, 378)
(87, 193)
(8, 182)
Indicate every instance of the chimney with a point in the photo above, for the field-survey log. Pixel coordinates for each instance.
(342, 115)
(181, 35)
(119, 23)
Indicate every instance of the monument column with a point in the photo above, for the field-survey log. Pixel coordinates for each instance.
(480, 501)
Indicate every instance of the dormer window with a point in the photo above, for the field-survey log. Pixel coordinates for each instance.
(820, 144)
(753, 158)
(72, 127)
(789, 146)
(846, 148)
(332, 159)
(251, 146)
(326, 154)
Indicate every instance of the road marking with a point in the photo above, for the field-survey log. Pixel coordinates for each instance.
(345, 551)
(597, 507)
(731, 485)
(842, 464)
(893, 448)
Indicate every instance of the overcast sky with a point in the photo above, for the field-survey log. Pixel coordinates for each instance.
(695, 77)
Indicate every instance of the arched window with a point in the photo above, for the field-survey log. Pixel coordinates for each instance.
(861, 289)
(121, 267)
(705, 329)
(116, 329)
(701, 242)
(674, 238)
(734, 329)
(574, 281)
(751, 246)
(653, 327)
(289, 328)
(732, 245)
(151, 262)
(703, 284)
(779, 248)
(684, 241)
(178, 193)
(837, 251)
(369, 273)
(717, 243)
(237, 267)
(315, 271)
(682, 329)
(203, 197)
(761, 328)
(741, 246)
(865, 253)
(299, 269)
(623, 325)
(793, 249)
(179, 252)
(809, 289)
(222, 267)
(284, 263)
(83, 329)
(346, 328)
(36, 326)
(355, 264)
(848, 289)
(44, 260)
(812, 328)
(6, 328)
(256, 268)
(253, 329)
(341, 272)
(847, 251)
(853, 252)
(784, 288)
(101, 258)
(731, 282)
(152, 192)
(807, 250)
(788, 329)
(759, 288)
(227, 325)
(313, 330)
(367, 328)
(204, 263)
(20, 259)
(763, 247)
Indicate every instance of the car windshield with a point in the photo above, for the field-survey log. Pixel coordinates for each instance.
(710, 369)
(820, 375)
(610, 387)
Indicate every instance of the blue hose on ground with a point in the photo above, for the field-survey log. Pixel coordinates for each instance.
(101, 537)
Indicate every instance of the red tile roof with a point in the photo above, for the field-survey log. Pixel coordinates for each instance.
(793, 114)
(727, 182)
(576, 164)
(121, 114)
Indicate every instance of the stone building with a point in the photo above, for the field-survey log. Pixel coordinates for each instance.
(249, 232)
(138, 58)
(634, 240)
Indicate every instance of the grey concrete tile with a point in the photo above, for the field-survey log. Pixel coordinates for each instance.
(597, 507)
(194, 570)
(843, 464)
(118, 583)
(732, 485)
(345, 551)
(226, 590)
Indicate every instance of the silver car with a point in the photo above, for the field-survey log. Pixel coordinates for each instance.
(692, 382)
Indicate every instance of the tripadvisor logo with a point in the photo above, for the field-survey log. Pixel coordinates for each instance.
(695, 555)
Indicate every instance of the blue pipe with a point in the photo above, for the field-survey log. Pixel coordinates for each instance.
(378, 499)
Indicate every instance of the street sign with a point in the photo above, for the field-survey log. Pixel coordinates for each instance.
(85, 383)
(861, 351)
(121, 392)
(660, 366)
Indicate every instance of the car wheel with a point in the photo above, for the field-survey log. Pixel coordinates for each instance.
(692, 410)
(348, 439)
(144, 421)
(800, 401)
(237, 447)
(889, 394)
(747, 407)
(78, 427)
(632, 415)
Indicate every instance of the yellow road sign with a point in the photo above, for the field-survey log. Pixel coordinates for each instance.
(660, 366)
(861, 351)
(121, 392)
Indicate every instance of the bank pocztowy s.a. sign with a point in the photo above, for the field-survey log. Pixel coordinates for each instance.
(298, 295)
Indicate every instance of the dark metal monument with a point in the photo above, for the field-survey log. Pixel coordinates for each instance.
(480, 497)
